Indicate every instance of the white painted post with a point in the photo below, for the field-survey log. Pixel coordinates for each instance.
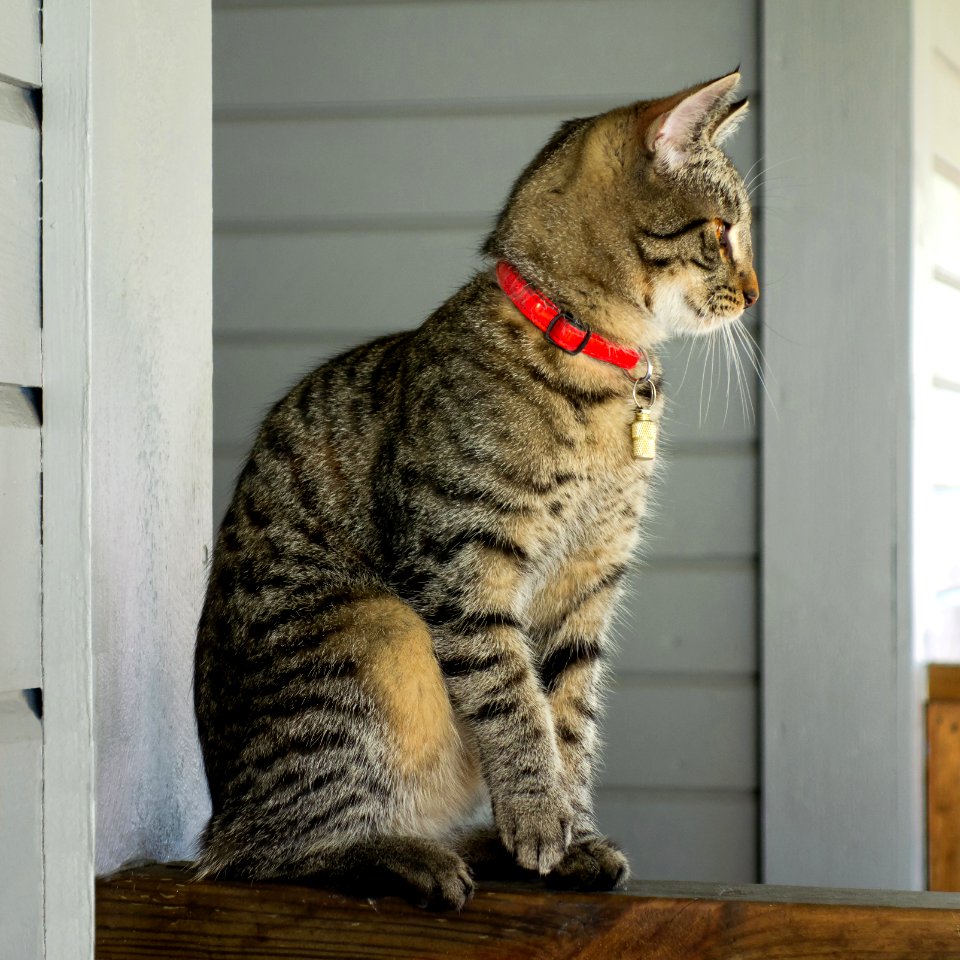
(841, 716)
(126, 437)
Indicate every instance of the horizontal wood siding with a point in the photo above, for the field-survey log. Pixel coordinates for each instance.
(20, 41)
(21, 899)
(363, 171)
(20, 539)
(358, 52)
(710, 834)
(19, 236)
(361, 152)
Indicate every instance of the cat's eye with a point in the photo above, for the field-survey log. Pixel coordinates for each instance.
(723, 237)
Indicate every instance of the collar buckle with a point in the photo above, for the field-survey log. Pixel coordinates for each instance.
(562, 317)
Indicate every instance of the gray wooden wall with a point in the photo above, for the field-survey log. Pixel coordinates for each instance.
(360, 151)
(21, 880)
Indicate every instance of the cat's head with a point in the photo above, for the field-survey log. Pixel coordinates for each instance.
(638, 214)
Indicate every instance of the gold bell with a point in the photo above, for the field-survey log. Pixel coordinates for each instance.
(643, 434)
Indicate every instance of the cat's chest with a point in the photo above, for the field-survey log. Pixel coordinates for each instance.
(605, 488)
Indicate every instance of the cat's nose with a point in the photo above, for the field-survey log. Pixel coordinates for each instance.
(751, 289)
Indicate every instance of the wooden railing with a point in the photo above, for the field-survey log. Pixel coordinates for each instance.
(943, 776)
(159, 912)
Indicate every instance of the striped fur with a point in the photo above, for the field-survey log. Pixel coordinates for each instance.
(409, 603)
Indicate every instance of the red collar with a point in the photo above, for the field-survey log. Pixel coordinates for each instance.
(559, 329)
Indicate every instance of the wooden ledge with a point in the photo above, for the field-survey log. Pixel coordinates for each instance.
(158, 912)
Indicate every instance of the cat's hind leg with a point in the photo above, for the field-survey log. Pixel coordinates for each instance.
(351, 767)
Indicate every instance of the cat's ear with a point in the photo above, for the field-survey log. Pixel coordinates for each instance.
(672, 127)
(728, 121)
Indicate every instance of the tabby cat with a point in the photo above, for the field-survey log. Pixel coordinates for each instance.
(408, 609)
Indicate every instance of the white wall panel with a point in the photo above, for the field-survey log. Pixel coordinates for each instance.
(20, 41)
(940, 322)
(841, 722)
(19, 236)
(942, 219)
(21, 887)
(360, 52)
(19, 541)
(945, 95)
(711, 835)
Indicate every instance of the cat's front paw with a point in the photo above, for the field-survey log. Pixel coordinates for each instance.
(593, 863)
(536, 828)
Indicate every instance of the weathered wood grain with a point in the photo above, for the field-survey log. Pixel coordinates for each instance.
(943, 681)
(943, 794)
(158, 913)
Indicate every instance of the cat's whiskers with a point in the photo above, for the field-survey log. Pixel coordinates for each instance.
(755, 356)
(746, 399)
(760, 177)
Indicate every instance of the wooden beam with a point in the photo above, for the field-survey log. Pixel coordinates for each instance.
(943, 797)
(943, 681)
(160, 912)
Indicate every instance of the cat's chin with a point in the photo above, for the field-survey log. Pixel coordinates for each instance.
(702, 326)
(679, 317)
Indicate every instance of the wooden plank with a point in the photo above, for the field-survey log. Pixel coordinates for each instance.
(688, 732)
(311, 54)
(353, 284)
(836, 460)
(689, 618)
(705, 505)
(161, 914)
(21, 880)
(20, 535)
(20, 41)
(150, 418)
(690, 835)
(292, 171)
(126, 437)
(68, 720)
(943, 799)
(943, 681)
(19, 236)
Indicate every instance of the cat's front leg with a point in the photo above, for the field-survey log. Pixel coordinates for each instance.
(573, 616)
(494, 689)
